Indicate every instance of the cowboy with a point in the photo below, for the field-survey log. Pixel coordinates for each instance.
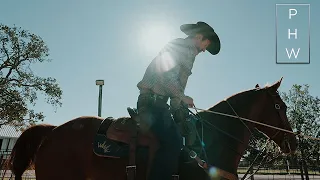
(166, 78)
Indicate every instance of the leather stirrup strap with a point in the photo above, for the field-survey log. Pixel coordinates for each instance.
(131, 168)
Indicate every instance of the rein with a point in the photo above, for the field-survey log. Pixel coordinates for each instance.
(263, 124)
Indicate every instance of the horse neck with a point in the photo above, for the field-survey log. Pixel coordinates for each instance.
(224, 151)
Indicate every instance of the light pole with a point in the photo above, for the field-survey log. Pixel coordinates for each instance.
(100, 83)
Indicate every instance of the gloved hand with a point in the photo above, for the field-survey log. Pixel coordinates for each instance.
(178, 110)
(188, 100)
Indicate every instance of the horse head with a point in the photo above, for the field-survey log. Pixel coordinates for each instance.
(271, 110)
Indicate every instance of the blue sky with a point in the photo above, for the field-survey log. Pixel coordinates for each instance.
(115, 41)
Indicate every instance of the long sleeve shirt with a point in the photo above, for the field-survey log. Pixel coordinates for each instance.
(168, 72)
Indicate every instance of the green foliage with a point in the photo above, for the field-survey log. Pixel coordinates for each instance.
(303, 110)
(19, 85)
(304, 115)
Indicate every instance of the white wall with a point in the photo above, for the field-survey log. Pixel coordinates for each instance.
(4, 152)
(5, 142)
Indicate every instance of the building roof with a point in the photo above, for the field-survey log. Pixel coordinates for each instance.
(9, 132)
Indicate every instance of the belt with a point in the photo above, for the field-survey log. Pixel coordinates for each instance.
(153, 99)
(157, 97)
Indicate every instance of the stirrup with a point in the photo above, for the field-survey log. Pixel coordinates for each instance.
(175, 177)
(131, 172)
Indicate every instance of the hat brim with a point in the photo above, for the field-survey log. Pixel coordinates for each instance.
(215, 45)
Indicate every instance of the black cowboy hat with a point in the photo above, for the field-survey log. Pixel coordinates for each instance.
(206, 30)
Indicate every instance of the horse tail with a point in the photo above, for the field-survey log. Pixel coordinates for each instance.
(24, 151)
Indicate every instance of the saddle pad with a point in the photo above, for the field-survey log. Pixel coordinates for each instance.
(102, 146)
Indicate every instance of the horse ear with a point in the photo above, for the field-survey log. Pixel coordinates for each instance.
(277, 84)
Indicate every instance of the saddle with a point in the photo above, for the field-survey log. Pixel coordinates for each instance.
(126, 130)
(119, 138)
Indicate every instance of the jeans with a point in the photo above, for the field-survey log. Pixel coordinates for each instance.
(162, 125)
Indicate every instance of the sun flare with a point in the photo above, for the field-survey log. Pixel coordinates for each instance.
(153, 37)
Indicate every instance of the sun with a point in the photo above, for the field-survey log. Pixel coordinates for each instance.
(154, 36)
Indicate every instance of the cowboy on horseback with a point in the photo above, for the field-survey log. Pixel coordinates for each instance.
(166, 77)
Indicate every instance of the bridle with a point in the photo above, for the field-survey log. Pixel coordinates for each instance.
(203, 163)
(282, 118)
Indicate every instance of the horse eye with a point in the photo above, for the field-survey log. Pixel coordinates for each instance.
(277, 106)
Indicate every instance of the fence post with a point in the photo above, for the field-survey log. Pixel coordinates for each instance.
(305, 166)
(301, 169)
(251, 172)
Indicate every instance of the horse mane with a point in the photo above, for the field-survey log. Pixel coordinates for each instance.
(42, 124)
(240, 93)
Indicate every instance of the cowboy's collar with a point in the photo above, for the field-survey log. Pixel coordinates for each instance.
(186, 43)
(191, 45)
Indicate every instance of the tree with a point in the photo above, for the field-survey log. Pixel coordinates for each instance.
(304, 115)
(19, 85)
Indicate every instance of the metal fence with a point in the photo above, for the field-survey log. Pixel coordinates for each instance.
(6, 174)
(312, 170)
(273, 172)
(280, 177)
(281, 172)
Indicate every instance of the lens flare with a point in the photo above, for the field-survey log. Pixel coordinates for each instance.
(213, 173)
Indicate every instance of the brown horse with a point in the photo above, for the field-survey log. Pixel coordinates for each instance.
(67, 151)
